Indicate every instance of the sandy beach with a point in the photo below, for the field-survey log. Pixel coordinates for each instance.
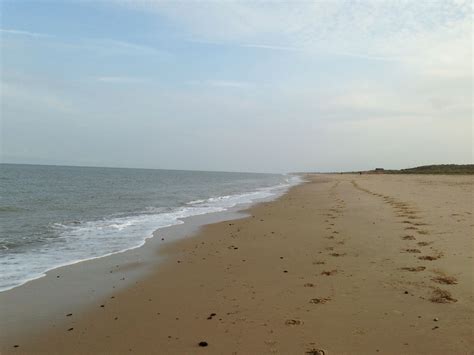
(342, 264)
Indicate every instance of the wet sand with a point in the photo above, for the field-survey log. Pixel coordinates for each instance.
(344, 263)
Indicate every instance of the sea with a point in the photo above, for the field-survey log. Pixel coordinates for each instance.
(52, 216)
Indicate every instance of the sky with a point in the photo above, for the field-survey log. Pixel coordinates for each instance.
(263, 86)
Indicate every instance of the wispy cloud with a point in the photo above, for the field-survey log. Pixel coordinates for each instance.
(372, 30)
(23, 33)
(222, 83)
(121, 79)
(273, 47)
(130, 47)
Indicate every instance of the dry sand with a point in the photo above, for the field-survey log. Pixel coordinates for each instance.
(345, 263)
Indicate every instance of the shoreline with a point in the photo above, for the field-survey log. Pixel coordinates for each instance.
(132, 264)
(239, 202)
(328, 265)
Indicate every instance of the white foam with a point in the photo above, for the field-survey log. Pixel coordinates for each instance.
(82, 241)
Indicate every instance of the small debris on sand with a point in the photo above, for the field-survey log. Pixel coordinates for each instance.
(329, 273)
(309, 284)
(294, 322)
(203, 344)
(408, 237)
(211, 316)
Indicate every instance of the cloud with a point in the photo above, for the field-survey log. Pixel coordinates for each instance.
(386, 30)
(121, 79)
(23, 33)
(222, 83)
(104, 46)
(272, 47)
(123, 46)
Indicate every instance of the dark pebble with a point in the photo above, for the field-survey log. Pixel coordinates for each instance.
(211, 315)
(203, 343)
(69, 314)
(70, 329)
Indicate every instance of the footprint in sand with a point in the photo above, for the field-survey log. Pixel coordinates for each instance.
(445, 280)
(414, 269)
(424, 244)
(412, 250)
(315, 352)
(442, 296)
(429, 257)
(321, 300)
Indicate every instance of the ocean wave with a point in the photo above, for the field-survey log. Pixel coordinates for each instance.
(84, 240)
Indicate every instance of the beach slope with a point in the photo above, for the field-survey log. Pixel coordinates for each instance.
(358, 264)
